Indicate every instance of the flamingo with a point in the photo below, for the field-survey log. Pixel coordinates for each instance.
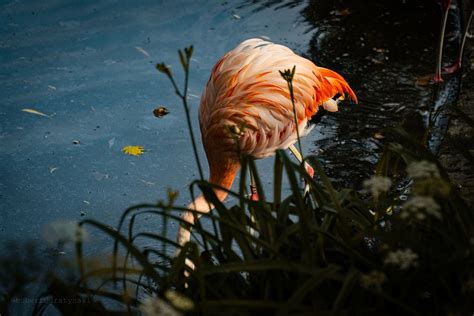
(245, 89)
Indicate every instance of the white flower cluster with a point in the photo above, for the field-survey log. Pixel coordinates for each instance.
(377, 185)
(154, 306)
(419, 207)
(404, 258)
(422, 170)
(373, 279)
(64, 232)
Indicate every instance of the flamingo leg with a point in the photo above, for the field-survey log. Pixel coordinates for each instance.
(437, 78)
(307, 166)
(253, 188)
(458, 63)
(253, 197)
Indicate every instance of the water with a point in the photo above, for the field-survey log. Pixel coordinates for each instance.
(90, 67)
(383, 48)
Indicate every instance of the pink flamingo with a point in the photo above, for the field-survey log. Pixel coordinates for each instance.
(245, 89)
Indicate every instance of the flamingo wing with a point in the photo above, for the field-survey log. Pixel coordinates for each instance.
(245, 91)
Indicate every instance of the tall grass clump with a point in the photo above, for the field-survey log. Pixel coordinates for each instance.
(403, 246)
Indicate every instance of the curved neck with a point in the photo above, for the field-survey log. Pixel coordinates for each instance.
(221, 174)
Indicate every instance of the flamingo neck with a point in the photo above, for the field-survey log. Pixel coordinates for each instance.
(222, 173)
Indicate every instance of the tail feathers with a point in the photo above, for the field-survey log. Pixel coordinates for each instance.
(335, 84)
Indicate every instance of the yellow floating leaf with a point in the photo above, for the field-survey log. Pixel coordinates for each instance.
(32, 111)
(133, 150)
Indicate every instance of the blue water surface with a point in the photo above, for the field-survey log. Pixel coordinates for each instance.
(90, 66)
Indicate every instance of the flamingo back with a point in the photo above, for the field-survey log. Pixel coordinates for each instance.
(245, 93)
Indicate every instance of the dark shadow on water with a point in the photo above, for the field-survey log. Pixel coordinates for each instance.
(387, 52)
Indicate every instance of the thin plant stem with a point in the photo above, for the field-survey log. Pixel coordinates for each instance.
(185, 61)
(190, 126)
(288, 76)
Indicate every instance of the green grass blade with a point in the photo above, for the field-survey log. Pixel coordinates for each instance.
(149, 269)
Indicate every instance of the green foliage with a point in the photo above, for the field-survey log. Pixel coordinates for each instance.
(326, 254)
(403, 247)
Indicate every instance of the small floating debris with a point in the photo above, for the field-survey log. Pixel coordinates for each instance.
(424, 80)
(149, 183)
(133, 150)
(160, 111)
(100, 176)
(51, 87)
(76, 142)
(400, 109)
(391, 104)
(141, 50)
(33, 111)
(111, 142)
(237, 17)
(379, 136)
(380, 50)
(341, 12)
(53, 169)
(376, 61)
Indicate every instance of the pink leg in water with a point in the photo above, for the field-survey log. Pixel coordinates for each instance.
(446, 4)
(458, 63)
(310, 172)
(309, 169)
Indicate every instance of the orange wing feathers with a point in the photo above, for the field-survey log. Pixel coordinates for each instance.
(338, 83)
(246, 89)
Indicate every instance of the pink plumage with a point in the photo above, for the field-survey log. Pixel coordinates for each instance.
(247, 94)
(246, 90)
